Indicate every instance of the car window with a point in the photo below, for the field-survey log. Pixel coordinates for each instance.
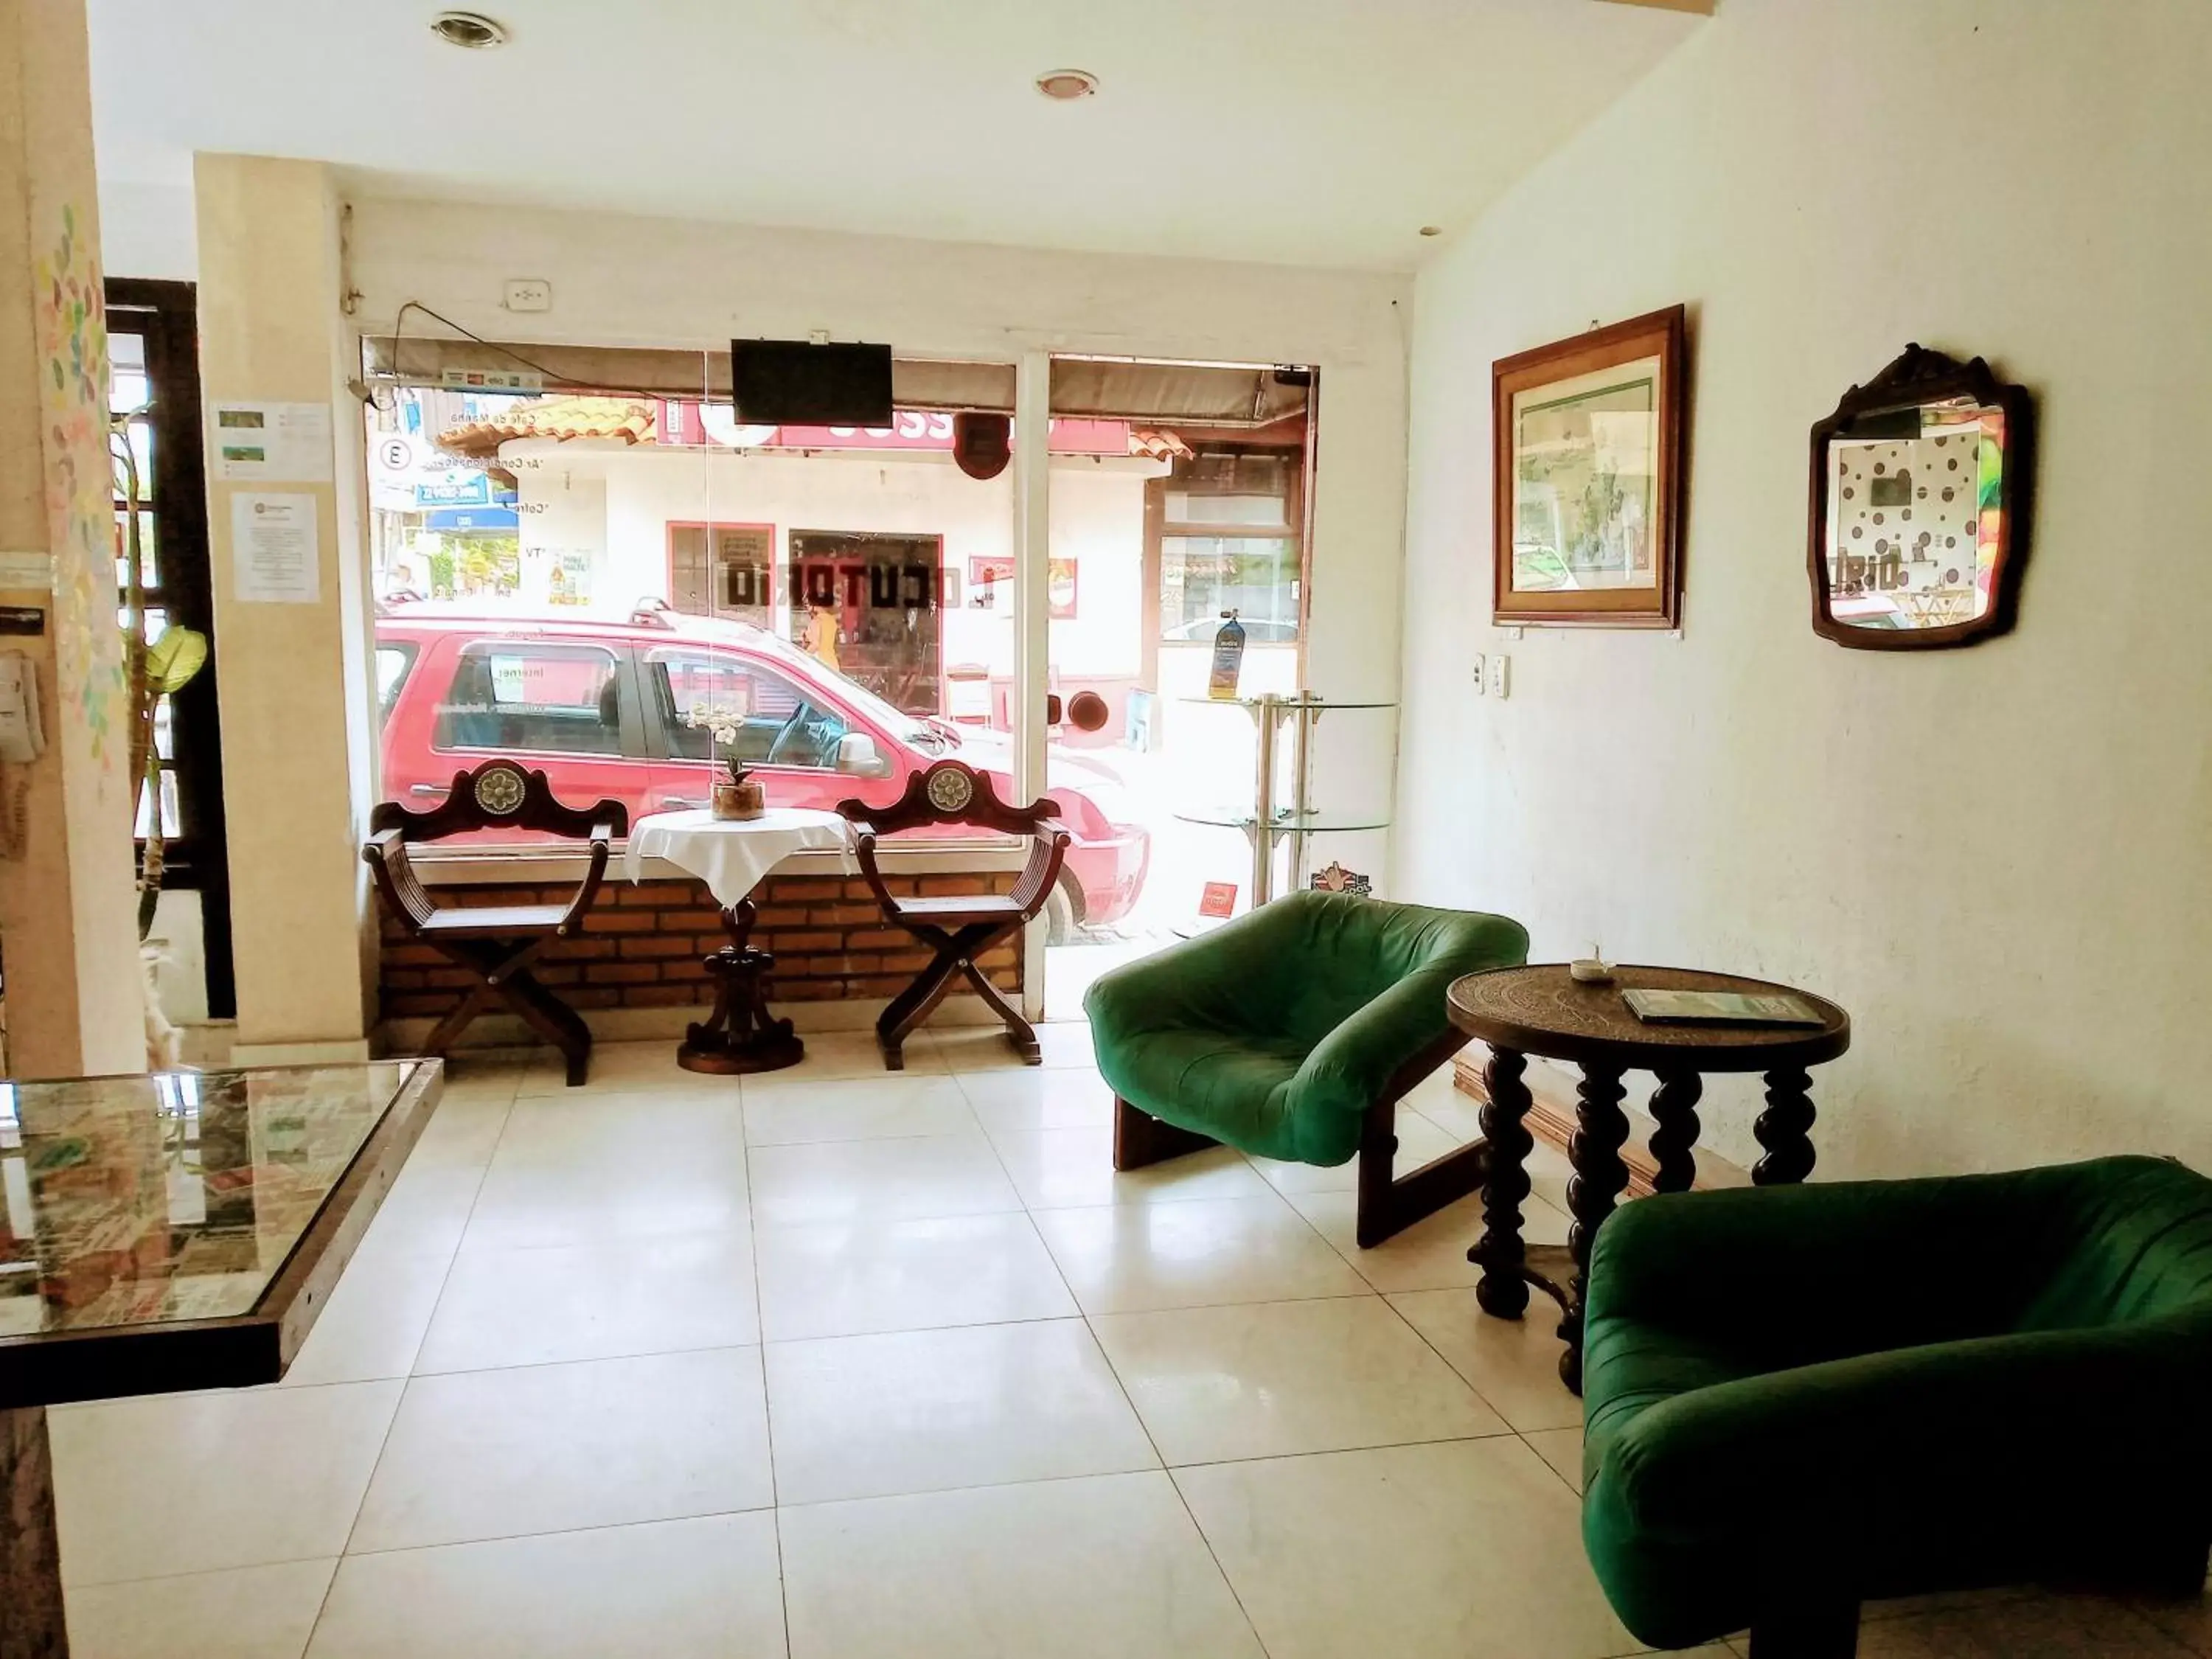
(710, 704)
(532, 695)
(394, 657)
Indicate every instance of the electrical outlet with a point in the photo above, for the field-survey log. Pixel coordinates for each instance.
(528, 293)
(1479, 683)
(1497, 669)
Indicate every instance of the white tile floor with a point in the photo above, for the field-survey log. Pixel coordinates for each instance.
(836, 1363)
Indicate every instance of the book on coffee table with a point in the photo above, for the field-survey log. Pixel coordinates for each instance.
(1717, 1008)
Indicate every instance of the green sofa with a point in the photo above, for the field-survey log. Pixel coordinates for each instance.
(1795, 1398)
(1290, 1033)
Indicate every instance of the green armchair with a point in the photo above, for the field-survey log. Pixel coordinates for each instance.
(1290, 1033)
(1798, 1398)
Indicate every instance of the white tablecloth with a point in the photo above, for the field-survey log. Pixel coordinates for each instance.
(731, 855)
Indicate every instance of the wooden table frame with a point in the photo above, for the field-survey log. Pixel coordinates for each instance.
(1677, 1059)
(114, 1362)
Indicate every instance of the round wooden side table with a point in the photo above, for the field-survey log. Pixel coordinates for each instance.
(1542, 1010)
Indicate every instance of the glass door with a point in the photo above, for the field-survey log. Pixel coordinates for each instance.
(1178, 498)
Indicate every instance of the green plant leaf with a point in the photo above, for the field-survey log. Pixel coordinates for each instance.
(172, 659)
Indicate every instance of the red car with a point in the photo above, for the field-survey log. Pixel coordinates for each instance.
(624, 710)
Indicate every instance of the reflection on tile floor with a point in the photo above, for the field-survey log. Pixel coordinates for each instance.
(837, 1362)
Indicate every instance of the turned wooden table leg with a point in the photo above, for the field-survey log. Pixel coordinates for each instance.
(1600, 1130)
(1503, 1291)
(31, 1619)
(1784, 1130)
(741, 1035)
(1673, 1140)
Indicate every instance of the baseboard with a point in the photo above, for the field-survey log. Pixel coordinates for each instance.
(400, 1036)
(1552, 1120)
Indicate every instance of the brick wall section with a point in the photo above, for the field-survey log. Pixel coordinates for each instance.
(643, 944)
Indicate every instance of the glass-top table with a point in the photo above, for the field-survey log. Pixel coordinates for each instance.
(1286, 822)
(181, 1231)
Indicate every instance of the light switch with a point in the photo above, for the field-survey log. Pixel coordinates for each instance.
(1497, 674)
(1481, 684)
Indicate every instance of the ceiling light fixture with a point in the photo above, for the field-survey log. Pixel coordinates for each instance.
(471, 30)
(1432, 230)
(1065, 85)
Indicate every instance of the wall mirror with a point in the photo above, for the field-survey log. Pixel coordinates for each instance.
(1919, 512)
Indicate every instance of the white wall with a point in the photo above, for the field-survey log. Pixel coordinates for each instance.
(148, 230)
(2000, 859)
(620, 280)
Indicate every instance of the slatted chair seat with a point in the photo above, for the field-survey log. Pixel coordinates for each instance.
(981, 907)
(502, 919)
(958, 929)
(495, 942)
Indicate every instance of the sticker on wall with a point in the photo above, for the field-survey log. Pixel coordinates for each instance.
(570, 581)
(1218, 898)
(492, 379)
(263, 442)
(1338, 879)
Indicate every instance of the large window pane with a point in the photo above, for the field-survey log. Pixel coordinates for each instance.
(624, 589)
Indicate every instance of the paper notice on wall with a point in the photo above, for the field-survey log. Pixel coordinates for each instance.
(272, 443)
(277, 558)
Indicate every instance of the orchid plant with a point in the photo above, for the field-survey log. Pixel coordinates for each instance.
(722, 725)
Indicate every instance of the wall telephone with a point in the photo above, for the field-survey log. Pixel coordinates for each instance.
(22, 740)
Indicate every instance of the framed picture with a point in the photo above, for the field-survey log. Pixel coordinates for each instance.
(1588, 475)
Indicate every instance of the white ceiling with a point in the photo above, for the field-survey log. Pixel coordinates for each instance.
(1318, 132)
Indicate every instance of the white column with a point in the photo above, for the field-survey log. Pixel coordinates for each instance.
(1032, 624)
(299, 747)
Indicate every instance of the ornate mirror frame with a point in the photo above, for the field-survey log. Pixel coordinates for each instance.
(1919, 377)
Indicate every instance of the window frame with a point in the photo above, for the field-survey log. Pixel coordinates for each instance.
(712, 527)
(1294, 528)
(165, 314)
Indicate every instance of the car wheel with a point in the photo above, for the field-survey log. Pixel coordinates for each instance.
(1059, 917)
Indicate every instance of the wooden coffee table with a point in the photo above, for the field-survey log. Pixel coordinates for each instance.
(175, 1231)
(1542, 1010)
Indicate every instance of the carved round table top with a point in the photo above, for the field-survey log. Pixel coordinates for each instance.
(1542, 1010)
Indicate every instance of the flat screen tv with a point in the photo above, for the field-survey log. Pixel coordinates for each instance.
(795, 383)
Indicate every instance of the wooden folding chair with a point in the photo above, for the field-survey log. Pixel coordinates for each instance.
(497, 942)
(959, 929)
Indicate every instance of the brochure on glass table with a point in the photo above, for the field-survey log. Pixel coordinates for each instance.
(1717, 1008)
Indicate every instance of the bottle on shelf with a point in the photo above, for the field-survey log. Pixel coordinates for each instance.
(1228, 659)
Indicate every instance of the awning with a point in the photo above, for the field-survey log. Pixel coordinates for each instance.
(1230, 396)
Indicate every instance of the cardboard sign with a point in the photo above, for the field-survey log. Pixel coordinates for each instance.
(1219, 899)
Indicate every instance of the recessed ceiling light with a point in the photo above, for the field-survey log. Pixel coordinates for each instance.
(1432, 230)
(1067, 85)
(468, 28)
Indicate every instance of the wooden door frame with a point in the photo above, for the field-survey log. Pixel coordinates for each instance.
(166, 314)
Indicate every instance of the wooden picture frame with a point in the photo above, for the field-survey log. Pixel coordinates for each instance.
(1921, 388)
(1578, 546)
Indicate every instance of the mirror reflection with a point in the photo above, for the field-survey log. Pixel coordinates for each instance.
(1915, 511)
(1918, 520)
